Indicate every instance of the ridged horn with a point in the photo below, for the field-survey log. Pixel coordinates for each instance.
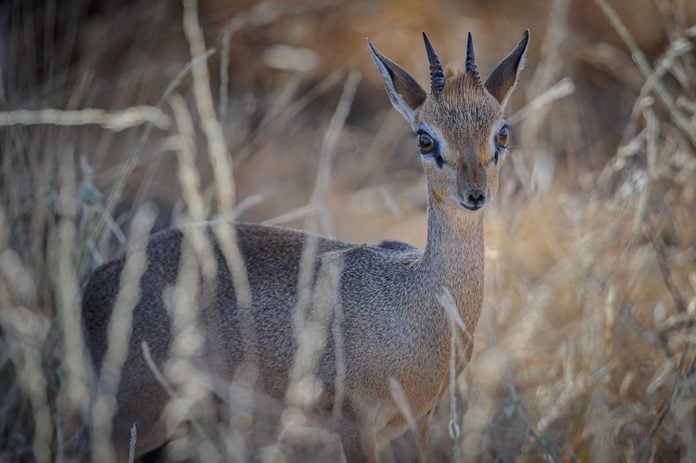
(437, 75)
(471, 60)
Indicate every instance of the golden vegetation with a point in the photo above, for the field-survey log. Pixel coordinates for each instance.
(585, 349)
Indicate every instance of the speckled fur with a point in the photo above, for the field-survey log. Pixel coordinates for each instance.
(393, 325)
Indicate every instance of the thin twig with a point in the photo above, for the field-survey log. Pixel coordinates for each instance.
(233, 26)
(131, 444)
(561, 89)
(453, 425)
(115, 195)
(118, 336)
(667, 274)
(647, 71)
(168, 389)
(676, 390)
(283, 112)
(114, 120)
(296, 214)
(217, 149)
(328, 147)
(517, 399)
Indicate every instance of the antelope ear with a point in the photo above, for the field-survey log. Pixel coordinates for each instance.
(404, 92)
(504, 77)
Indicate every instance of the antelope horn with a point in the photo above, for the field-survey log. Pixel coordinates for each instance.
(437, 76)
(471, 60)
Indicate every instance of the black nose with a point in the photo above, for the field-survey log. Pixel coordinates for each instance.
(475, 197)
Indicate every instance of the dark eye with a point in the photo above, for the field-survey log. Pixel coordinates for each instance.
(502, 138)
(426, 143)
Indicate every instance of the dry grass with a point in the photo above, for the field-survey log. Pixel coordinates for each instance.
(585, 349)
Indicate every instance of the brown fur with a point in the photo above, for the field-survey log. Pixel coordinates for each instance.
(393, 327)
(465, 115)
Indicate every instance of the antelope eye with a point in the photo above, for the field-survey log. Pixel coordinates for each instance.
(426, 143)
(502, 138)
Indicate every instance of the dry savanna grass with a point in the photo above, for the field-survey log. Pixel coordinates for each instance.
(585, 350)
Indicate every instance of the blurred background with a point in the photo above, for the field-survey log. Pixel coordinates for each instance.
(585, 348)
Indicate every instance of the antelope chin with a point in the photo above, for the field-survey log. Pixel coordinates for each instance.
(470, 208)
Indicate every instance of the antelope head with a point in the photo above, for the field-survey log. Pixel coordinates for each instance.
(459, 125)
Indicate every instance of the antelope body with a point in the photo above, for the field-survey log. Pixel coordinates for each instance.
(392, 326)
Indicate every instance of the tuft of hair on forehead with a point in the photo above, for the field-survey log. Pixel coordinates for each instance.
(462, 88)
(451, 70)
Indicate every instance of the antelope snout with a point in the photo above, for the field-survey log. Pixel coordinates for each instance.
(473, 199)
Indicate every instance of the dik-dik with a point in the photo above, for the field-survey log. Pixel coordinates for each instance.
(391, 326)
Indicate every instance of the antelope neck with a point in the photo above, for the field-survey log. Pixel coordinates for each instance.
(454, 256)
